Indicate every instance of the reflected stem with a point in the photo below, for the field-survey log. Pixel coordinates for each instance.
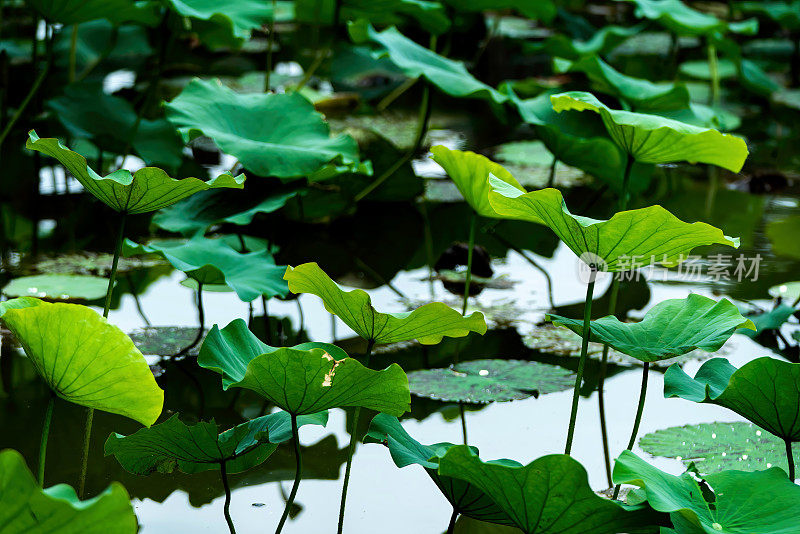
(112, 277)
(587, 330)
(353, 439)
(48, 417)
(201, 317)
(639, 412)
(790, 459)
(297, 476)
(226, 510)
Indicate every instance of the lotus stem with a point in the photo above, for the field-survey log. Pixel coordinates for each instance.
(472, 224)
(112, 277)
(270, 44)
(201, 318)
(452, 525)
(48, 417)
(267, 335)
(298, 475)
(790, 459)
(713, 68)
(87, 435)
(395, 93)
(587, 330)
(462, 414)
(301, 316)
(73, 53)
(353, 439)
(552, 178)
(639, 412)
(226, 510)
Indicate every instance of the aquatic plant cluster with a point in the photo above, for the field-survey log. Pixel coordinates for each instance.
(272, 128)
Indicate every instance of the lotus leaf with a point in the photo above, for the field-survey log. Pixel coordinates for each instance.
(173, 444)
(147, 189)
(58, 287)
(763, 501)
(637, 235)
(26, 508)
(786, 13)
(765, 391)
(669, 329)
(655, 139)
(603, 40)
(84, 359)
(428, 324)
(773, 319)
(789, 291)
(681, 19)
(540, 10)
(271, 134)
(69, 12)
(430, 15)
(224, 25)
(214, 261)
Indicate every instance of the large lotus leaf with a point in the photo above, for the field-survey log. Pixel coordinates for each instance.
(430, 15)
(305, 379)
(640, 94)
(786, 13)
(112, 124)
(58, 287)
(580, 140)
(544, 10)
(215, 262)
(470, 172)
(683, 20)
(642, 235)
(604, 40)
(84, 359)
(405, 450)
(656, 139)
(147, 189)
(69, 12)
(550, 495)
(763, 502)
(669, 329)
(449, 75)
(772, 319)
(271, 134)
(428, 324)
(26, 508)
(765, 391)
(173, 444)
(715, 447)
(224, 24)
(484, 381)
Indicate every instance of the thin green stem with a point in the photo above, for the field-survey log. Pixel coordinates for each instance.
(624, 197)
(87, 437)
(351, 451)
(226, 509)
(270, 46)
(112, 277)
(298, 474)
(395, 93)
(452, 525)
(587, 329)
(470, 245)
(301, 316)
(27, 100)
(790, 459)
(462, 414)
(551, 180)
(48, 417)
(639, 411)
(73, 53)
(713, 68)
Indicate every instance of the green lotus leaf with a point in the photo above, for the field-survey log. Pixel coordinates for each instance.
(449, 75)
(765, 391)
(224, 25)
(655, 139)
(470, 172)
(550, 495)
(641, 94)
(430, 15)
(26, 508)
(70, 12)
(787, 13)
(716, 447)
(215, 262)
(544, 10)
(669, 329)
(147, 189)
(173, 444)
(765, 501)
(789, 291)
(485, 381)
(428, 324)
(304, 379)
(84, 359)
(271, 134)
(405, 450)
(637, 235)
(681, 19)
(112, 123)
(770, 320)
(604, 40)
(580, 140)
(58, 287)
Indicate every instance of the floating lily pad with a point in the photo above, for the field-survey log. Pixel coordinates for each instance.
(485, 381)
(92, 263)
(790, 291)
(165, 340)
(61, 287)
(716, 447)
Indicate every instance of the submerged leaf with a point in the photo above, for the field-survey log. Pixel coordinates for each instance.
(743, 503)
(57, 287)
(669, 329)
(147, 189)
(484, 381)
(84, 359)
(200, 447)
(26, 508)
(428, 324)
(765, 391)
